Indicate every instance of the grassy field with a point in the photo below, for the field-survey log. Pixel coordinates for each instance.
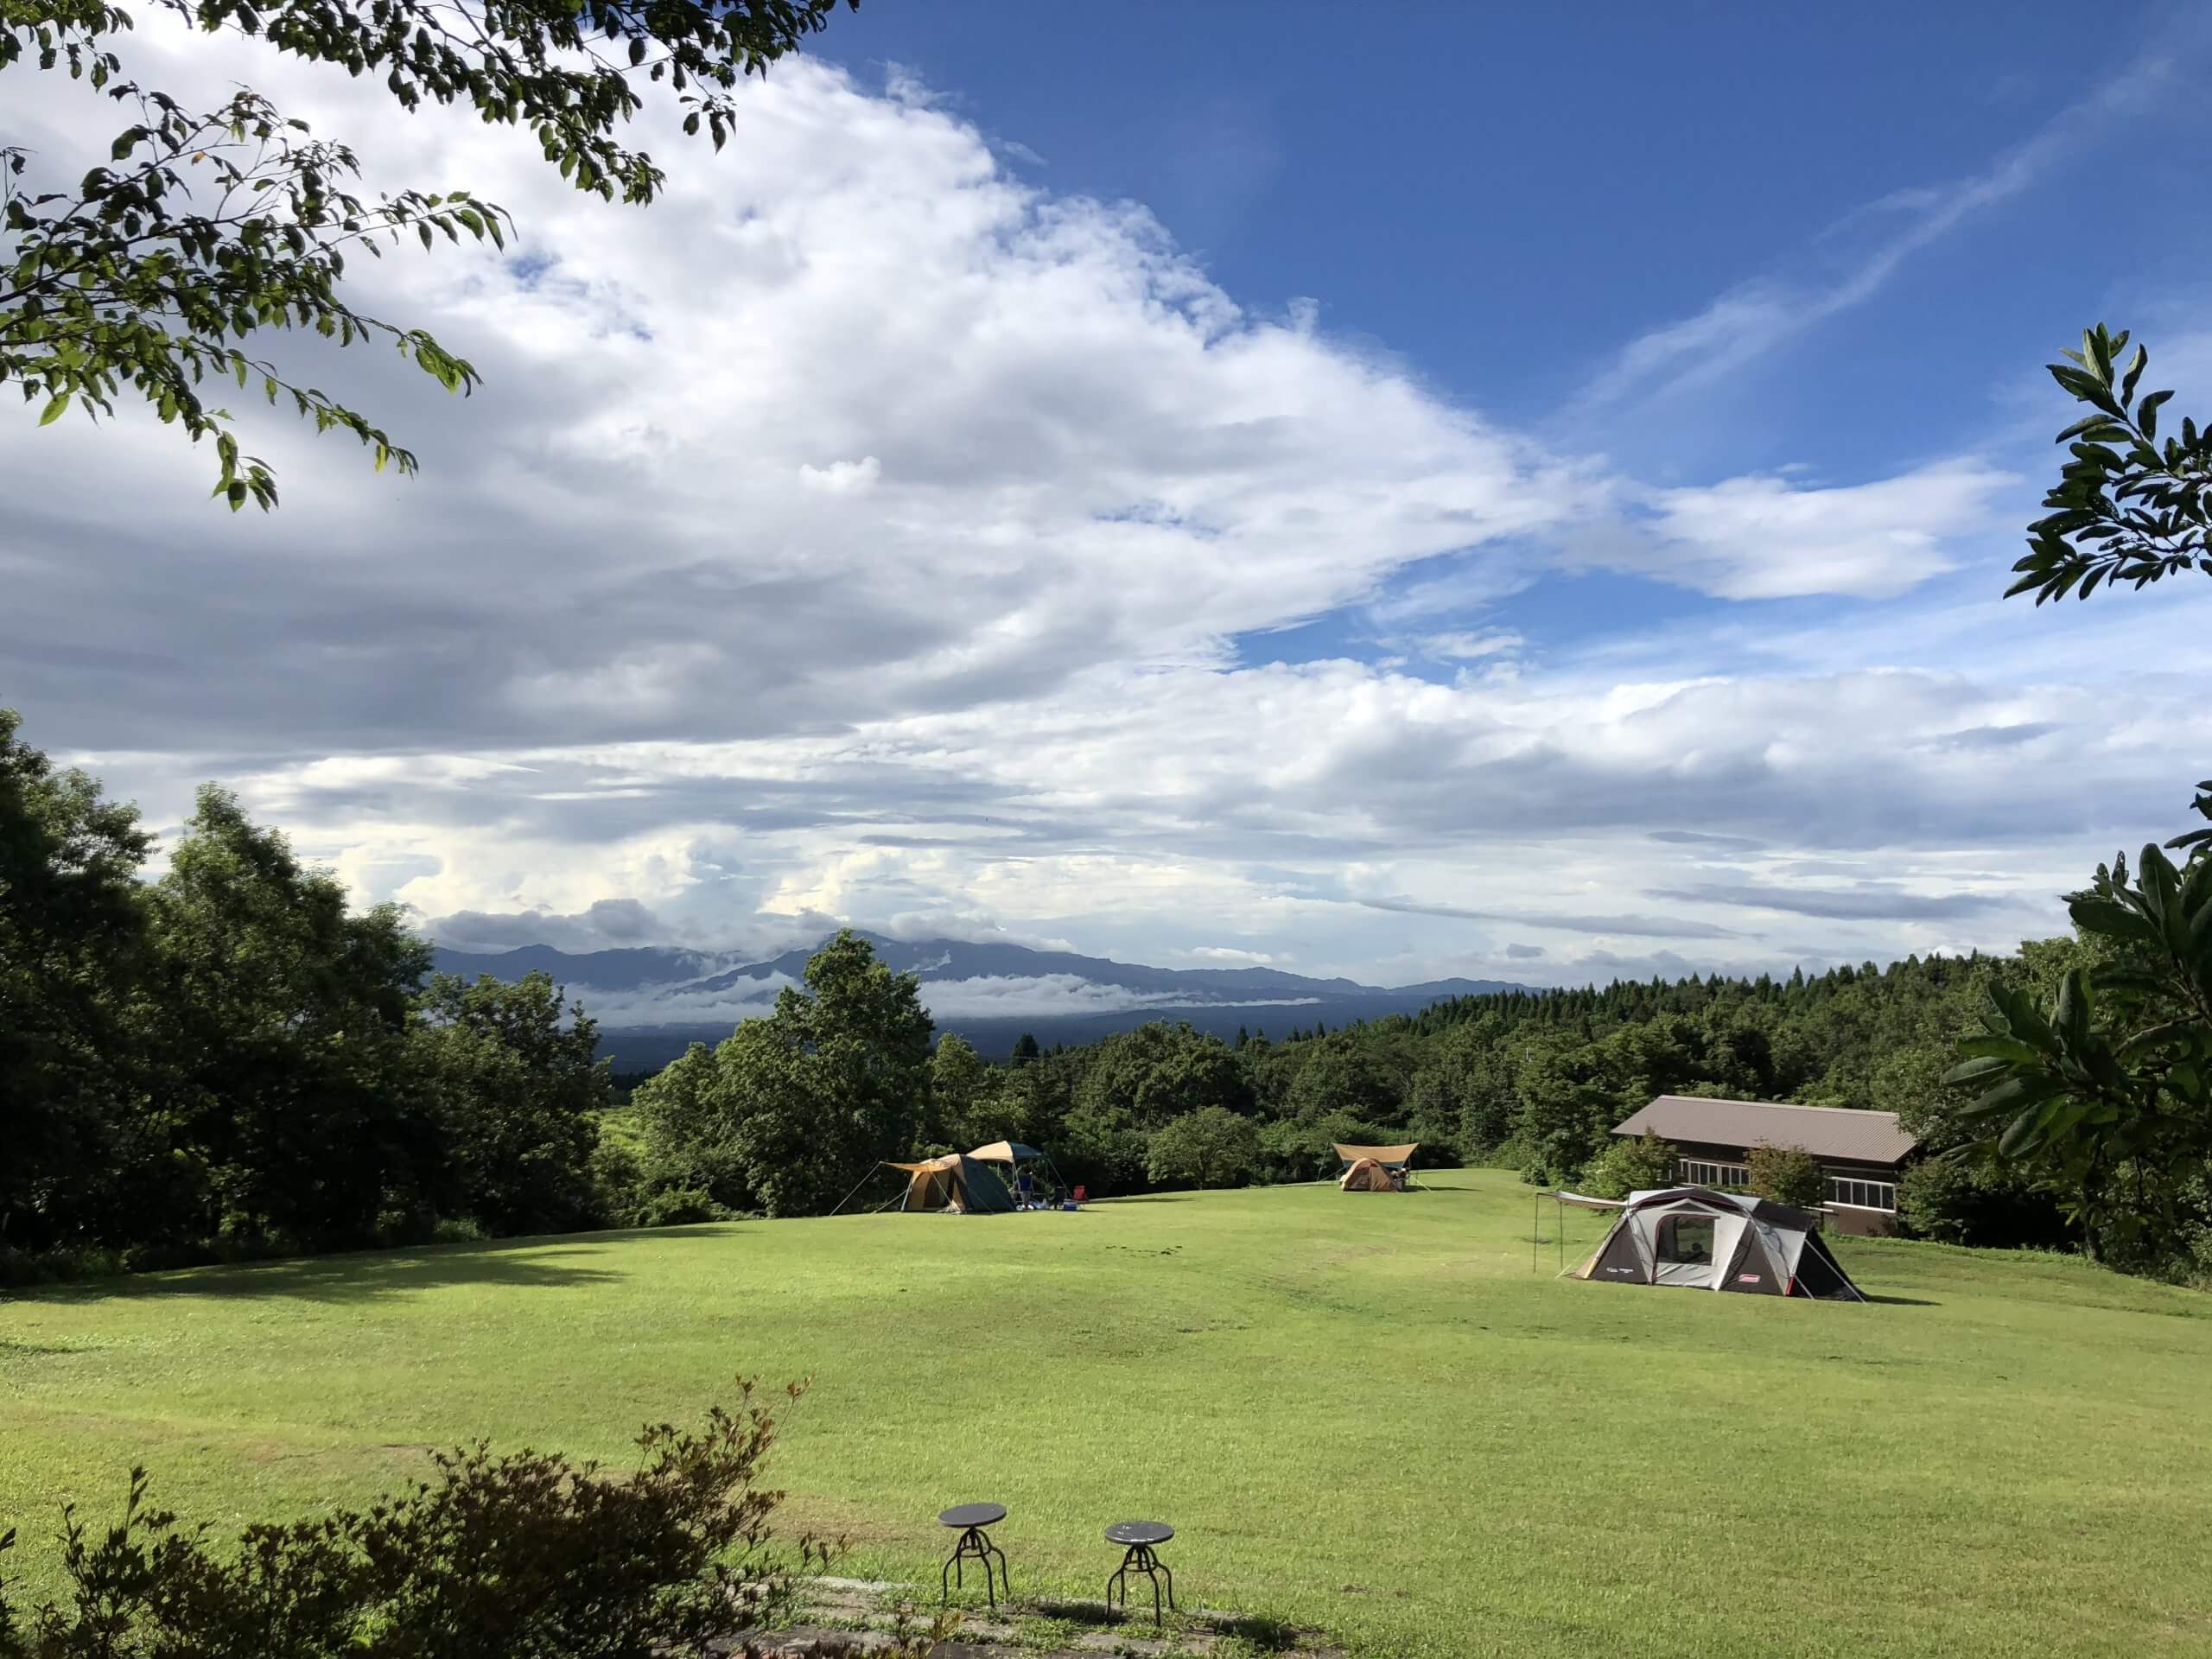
(1368, 1413)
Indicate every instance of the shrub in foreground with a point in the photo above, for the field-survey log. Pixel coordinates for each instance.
(493, 1557)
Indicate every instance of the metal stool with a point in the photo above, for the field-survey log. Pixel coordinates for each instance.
(971, 1519)
(1139, 1536)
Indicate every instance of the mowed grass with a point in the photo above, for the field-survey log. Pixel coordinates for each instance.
(1366, 1413)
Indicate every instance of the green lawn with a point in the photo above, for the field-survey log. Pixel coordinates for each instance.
(1364, 1413)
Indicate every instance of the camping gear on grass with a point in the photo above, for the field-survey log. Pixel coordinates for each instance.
(1700, 1240)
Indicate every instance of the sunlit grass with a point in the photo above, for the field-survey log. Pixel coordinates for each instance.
(1368, 1413)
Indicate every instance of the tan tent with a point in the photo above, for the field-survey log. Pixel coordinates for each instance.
(954, 1181)
(1376, 1169)
(1365, 1175)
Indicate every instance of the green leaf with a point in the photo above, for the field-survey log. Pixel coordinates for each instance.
(2147, 414)
(54, 411)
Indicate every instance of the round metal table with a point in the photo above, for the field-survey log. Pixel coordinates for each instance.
(973, 1545)
(1139, 1538)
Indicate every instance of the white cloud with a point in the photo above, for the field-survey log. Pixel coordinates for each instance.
(1765, 538)
(842, 477)
(900, 575)
(1766, 312)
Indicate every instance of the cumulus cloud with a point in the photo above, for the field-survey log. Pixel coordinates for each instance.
(921, 570)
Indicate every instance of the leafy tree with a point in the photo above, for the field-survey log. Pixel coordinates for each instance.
(285, 1024)
(520, 1096)
(73, 947)
(830, 1083)
(690, 1143)
(1646, 1164)
(1160, 1071)
(1343, 1074)
(1789, 1175)
(2105, 1091)
(961, 1096)
(2127, 508)
(208, 228)
(1212, 1146)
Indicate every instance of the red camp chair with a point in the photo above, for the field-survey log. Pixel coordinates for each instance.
(1082, 1195)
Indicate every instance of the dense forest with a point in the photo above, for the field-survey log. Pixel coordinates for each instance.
(227, 1061)
(1531, 1080)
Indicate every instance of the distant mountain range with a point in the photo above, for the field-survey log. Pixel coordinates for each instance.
(651, 1003)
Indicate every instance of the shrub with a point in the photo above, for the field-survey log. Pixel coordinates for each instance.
(1642, 1165)
(494, 1558)
(1788, 1175)
(1960, 1200)
(1212, 1146)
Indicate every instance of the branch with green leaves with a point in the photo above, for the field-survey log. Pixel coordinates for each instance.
(2126, 507)
(213, 227)
(209, 228)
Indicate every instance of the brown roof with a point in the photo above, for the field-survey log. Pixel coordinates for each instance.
(1837, 1132)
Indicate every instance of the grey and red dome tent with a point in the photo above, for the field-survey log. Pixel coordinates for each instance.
(1695, 1239)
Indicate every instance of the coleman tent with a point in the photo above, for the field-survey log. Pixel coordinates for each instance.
(1365, 1175)
(1719, 1241)
(956, 1181)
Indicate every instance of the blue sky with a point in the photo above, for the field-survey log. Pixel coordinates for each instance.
(1507, 494)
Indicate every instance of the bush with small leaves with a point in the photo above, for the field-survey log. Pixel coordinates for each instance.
(495, 1558)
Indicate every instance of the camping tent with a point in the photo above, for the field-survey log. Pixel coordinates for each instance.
(1014, 1154)
(1701, 1240)
(1375, 1169)
(1365, 1175)
(956, 1181)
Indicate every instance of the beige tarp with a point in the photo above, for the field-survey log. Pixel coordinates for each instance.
(1380, 1155)
(999, 1152)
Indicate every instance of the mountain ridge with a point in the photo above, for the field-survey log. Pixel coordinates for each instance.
(652, 1002)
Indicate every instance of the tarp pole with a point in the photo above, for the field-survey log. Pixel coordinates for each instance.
(860, 1182)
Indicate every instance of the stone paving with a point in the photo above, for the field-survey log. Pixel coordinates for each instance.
(856, 1617)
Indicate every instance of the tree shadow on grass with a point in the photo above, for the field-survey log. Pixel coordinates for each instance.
(369, 1276)
(1144, 1197)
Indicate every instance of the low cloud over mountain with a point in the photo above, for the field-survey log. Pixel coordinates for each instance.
(651, 1002)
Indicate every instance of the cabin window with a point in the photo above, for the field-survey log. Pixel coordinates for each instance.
(1685, 1238)
(1862, 1195)
(1725, 1177)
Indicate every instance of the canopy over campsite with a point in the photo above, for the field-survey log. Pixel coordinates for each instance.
(1015, 1156)
(1699, 1240)
(1374, 1169)
(956, 1181)
(966, 1183)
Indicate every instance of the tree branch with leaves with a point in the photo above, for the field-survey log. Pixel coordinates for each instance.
(2107, 1094)
(209, 228)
